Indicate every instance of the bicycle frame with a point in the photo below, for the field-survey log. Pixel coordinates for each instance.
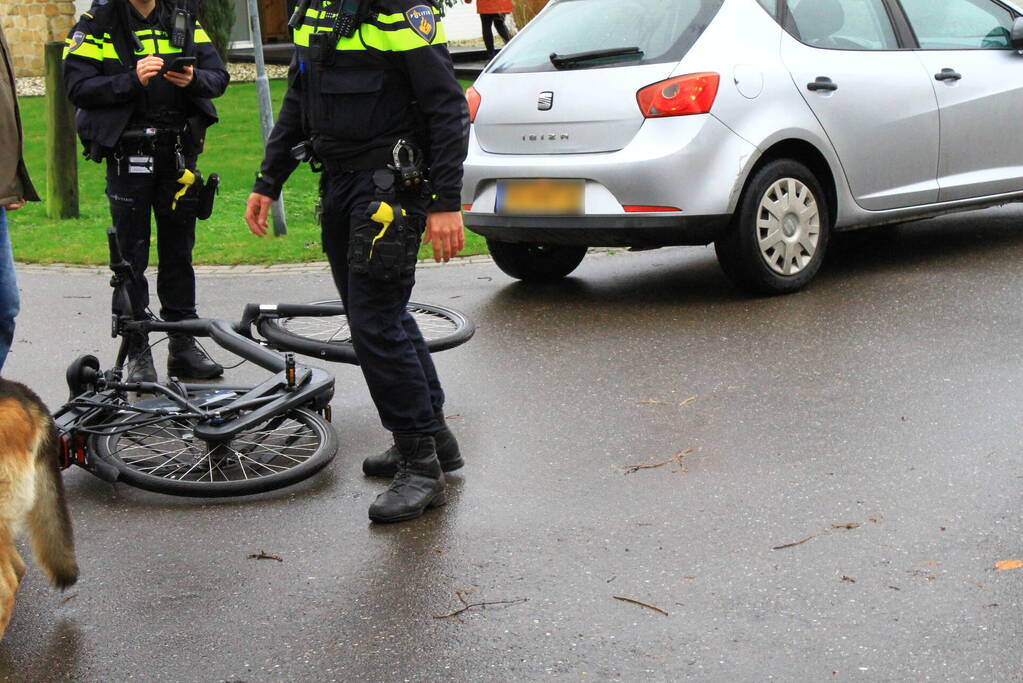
(293, 385)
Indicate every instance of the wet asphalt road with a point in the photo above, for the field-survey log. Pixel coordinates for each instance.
(886, 396)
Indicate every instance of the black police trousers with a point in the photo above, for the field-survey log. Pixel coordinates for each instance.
(133, 196)
(392, 354)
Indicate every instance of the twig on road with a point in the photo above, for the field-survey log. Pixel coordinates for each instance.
(466, 605)
(676, 459)
(641, 604)
(848, 526)
(659, 402)
(793, 545)
(264, 556)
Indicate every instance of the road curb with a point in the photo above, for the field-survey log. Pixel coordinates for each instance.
(313, 268)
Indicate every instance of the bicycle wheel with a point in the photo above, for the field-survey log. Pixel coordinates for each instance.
(163, 455)
(328, 336)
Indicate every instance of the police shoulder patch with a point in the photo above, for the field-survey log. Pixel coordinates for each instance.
(76, 41)
(422, 20)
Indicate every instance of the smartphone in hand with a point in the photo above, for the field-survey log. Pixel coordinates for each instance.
(180, 63)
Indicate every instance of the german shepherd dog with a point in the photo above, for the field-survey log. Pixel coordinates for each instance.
(31, 495)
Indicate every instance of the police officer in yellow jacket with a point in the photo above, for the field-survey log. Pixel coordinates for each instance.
(373, 101)
(142, 74)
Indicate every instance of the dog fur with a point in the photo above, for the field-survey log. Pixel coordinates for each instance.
(31, 495)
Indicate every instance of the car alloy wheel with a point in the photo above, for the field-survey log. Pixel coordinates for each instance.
(788, 226)
(779, 234)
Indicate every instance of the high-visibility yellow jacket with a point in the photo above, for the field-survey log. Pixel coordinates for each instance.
(99, 70)
(356, 97)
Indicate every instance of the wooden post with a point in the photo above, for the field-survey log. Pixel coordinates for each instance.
(61, 141)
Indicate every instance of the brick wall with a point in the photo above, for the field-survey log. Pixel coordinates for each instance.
(30, 23)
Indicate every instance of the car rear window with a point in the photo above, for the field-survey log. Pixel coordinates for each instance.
(663, 30)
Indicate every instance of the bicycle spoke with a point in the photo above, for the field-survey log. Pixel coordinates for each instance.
(283, 455)
(196, 464)
(163, 454)
(272, 468)
(222, 473)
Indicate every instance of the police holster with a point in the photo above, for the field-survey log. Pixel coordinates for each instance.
(386, 246)
(208, 197)
(194, 191)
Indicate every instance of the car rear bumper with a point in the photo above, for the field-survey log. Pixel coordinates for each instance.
(600, 231)
(692, 167)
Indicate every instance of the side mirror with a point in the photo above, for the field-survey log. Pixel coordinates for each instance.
(1017, 34)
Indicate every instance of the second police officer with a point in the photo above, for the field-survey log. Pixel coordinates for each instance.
(372, 100)
(142, 74)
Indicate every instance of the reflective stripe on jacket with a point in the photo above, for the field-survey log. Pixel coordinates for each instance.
(99, 72)
(392, 80)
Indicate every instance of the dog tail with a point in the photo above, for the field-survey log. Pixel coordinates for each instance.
(49, 523)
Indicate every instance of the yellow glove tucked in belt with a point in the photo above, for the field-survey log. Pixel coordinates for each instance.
(187, 179)
(384, 215)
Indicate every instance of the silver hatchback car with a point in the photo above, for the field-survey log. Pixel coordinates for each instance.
(759, 125)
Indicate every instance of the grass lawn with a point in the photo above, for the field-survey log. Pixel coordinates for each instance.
(233, 149)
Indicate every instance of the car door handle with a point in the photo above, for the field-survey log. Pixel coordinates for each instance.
(948, 75)
(822, 83)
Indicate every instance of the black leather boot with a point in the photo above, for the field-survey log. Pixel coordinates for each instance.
(186, 359)
(140, 366)
(418, 485)
(386, 464)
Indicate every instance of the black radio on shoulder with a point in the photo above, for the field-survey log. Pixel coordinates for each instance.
(179, 28)
(348, 18)
(298, 16)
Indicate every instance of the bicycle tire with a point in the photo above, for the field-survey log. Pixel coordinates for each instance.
(327, 336)
(265, 469)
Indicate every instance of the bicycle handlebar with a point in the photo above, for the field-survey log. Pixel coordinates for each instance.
(225, 335)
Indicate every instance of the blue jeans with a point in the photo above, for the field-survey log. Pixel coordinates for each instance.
(10, 304)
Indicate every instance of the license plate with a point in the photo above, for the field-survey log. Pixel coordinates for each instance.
(540, 197)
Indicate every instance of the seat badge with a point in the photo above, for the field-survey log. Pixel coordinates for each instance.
(421, 20)
(546, 102)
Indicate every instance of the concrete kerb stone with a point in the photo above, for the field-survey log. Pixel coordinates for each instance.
(229, 271)
(313, 268)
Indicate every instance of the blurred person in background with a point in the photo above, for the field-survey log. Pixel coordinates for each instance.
(492, 16)
(15, 190)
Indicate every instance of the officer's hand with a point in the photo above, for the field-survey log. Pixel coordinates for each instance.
(446, 231)
(181, 78)
(15, 206)
(256, 212)
(147, 68)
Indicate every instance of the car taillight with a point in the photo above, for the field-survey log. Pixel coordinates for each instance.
(682, 96)
(474, 99)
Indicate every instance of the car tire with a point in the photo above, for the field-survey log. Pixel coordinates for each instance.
(780, 232)
(536, 262)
